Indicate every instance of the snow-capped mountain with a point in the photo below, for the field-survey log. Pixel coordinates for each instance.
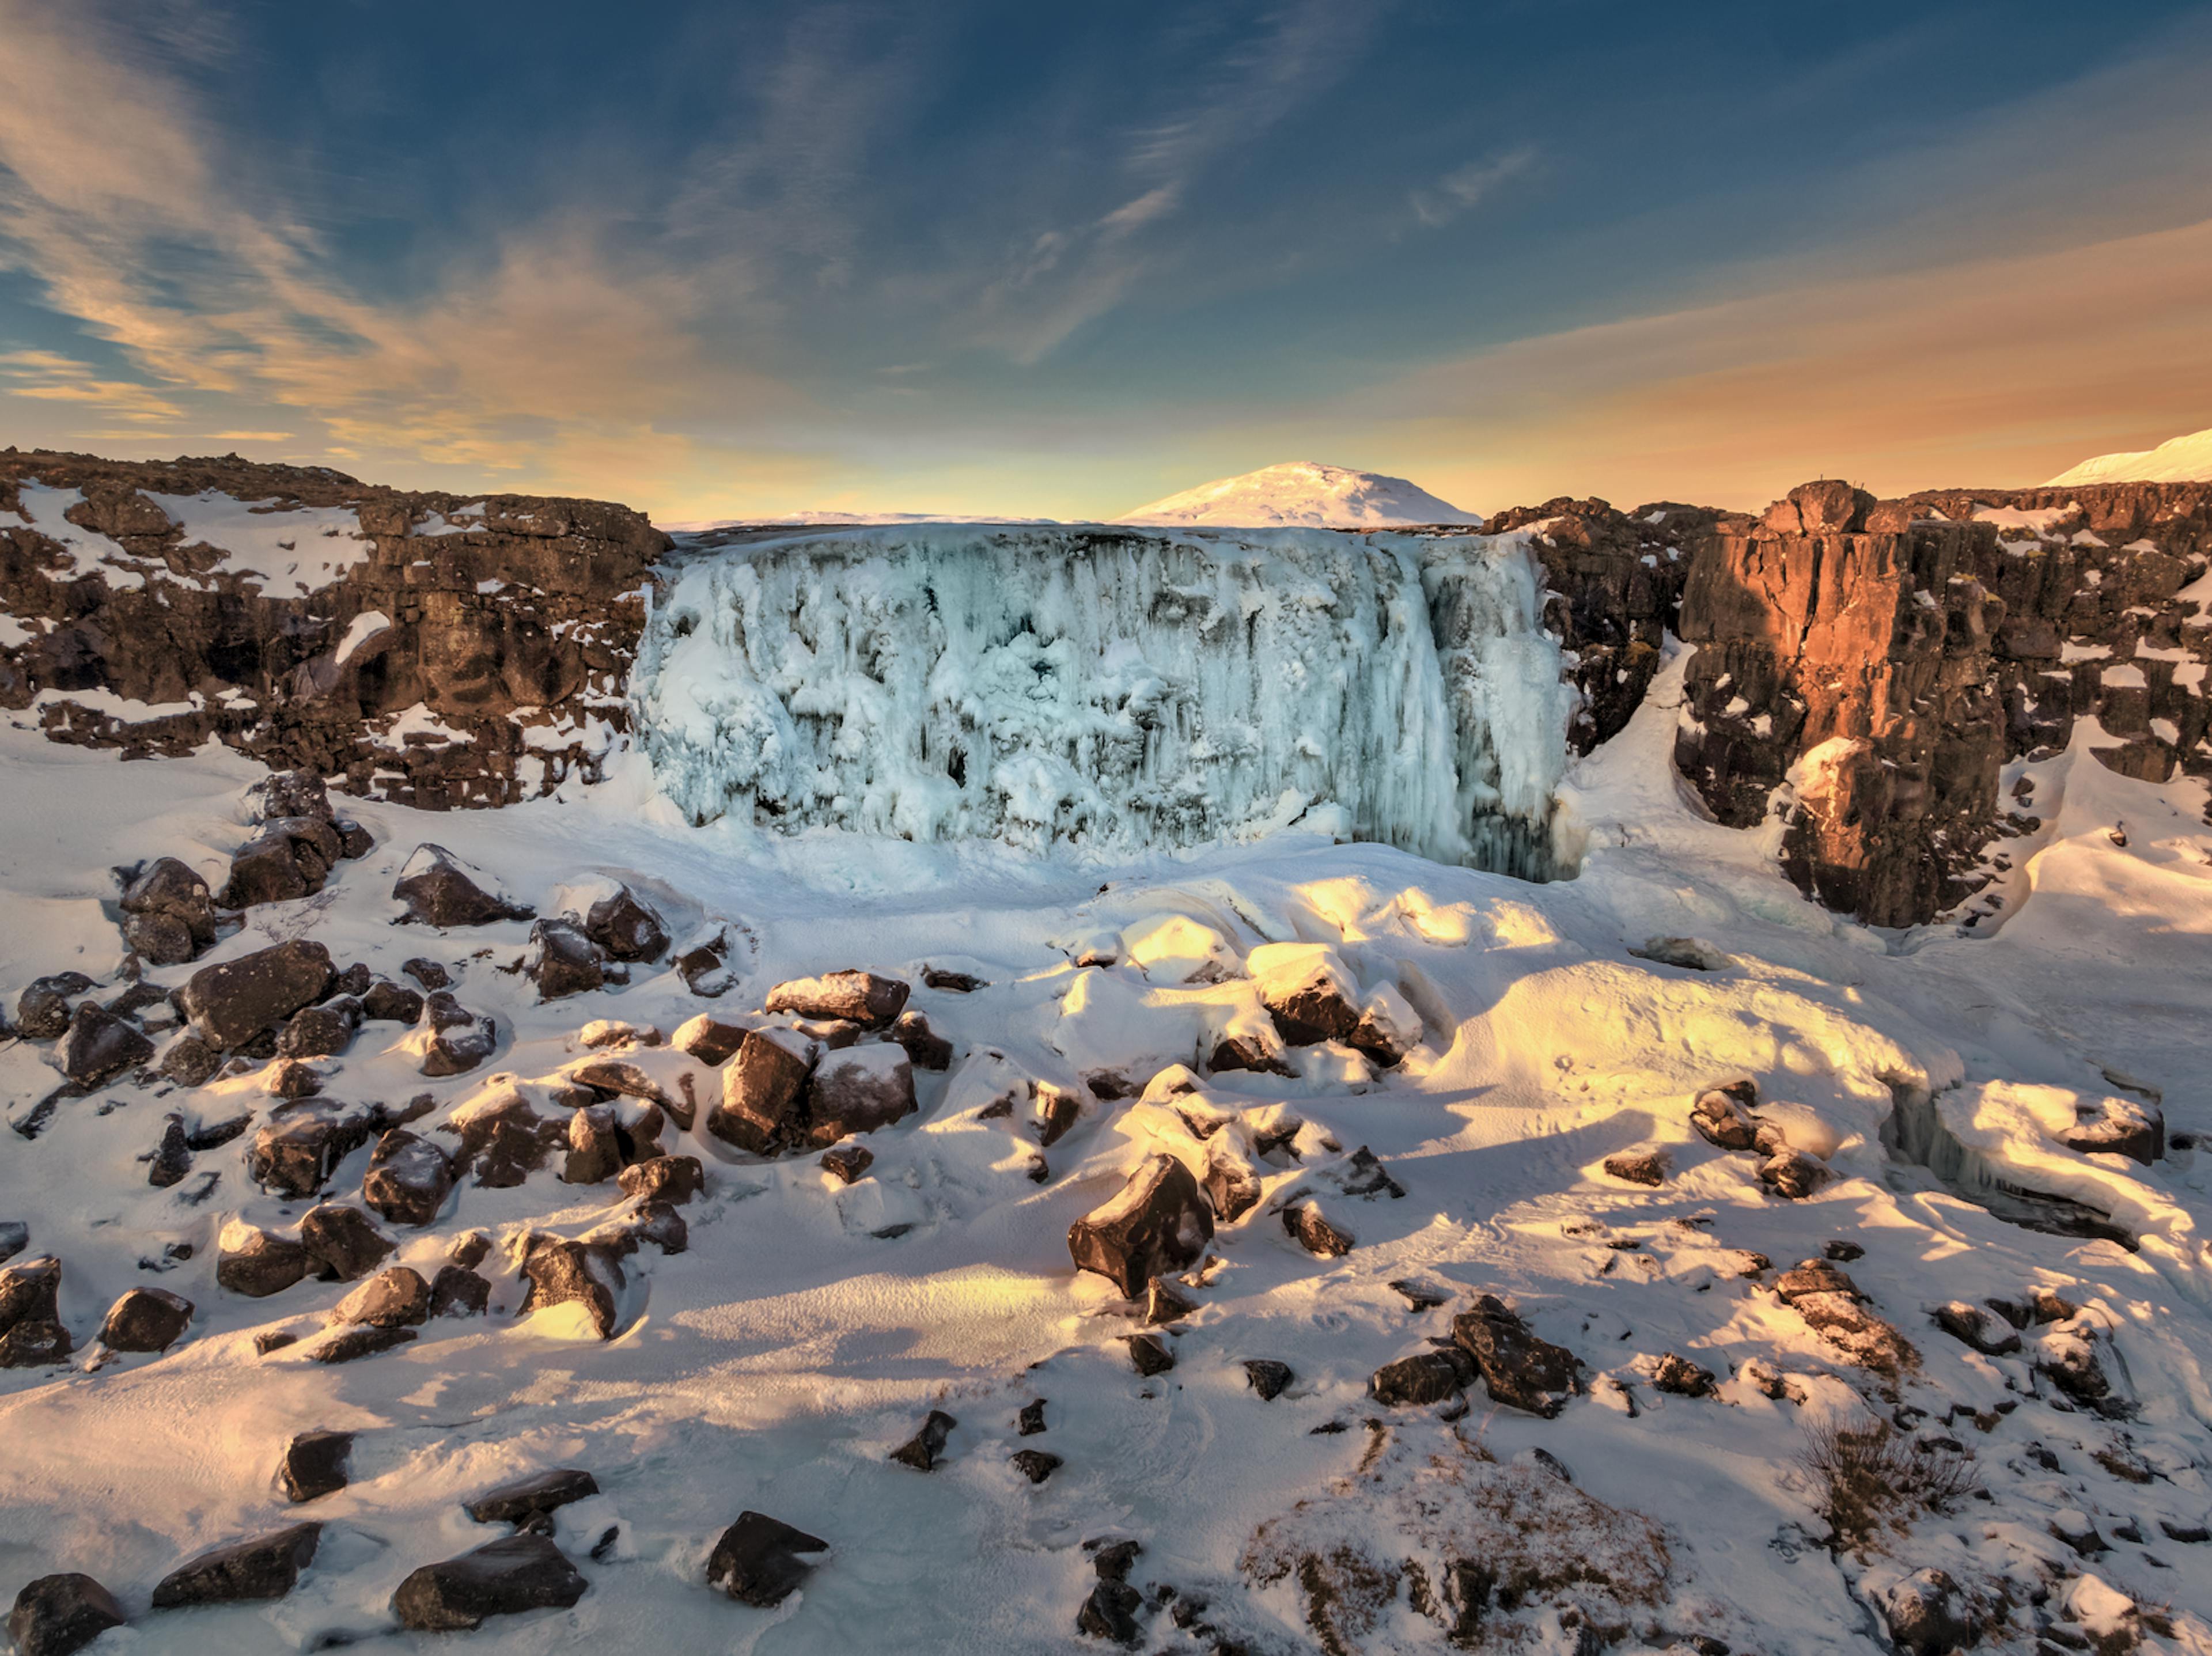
(1303, 492)
(2177, 460)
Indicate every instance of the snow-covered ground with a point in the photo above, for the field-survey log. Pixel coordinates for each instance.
(775, 1364)
(2178, 460)
(1302, 492)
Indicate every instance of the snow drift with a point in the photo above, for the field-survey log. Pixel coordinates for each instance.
(1119, 689)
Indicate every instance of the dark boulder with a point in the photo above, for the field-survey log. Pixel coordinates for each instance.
(1149, 1355)
(1639, 1168)
(15, 1237)
(31, 1292)
(503, 1143)
(506, 1577)
(458, 1291)
(315, 1464)
(1722, 1116)
(1518, 1369)
(99, 1045)
(1036, 1465)
(1232, 1186)
(1313, 1232)
(1974, 1326)
(56, 1615)
(1928, 1614)
(527, 1501)
(267, 1566)
(1424, 1377)
(190, 1061)
(626, 927)
(428, 973)
(562, 1272)
(764, 1091)
(232, 1002)
(1681, 1378)
(173, 1156)
(673, 1179)
(42, 1010)
(438, 890)
(258, 1263)
(1311, 1005)
(2105, 1127)
(286, 859)
(859, 997)
(322, 1031)
(34, 1342)
(1157, 1225)
(594, 1146)
(168, 913)
(1110, 1613)
(146, 1319)
(297, 1149)
(1163, 1305)
(408, 1178)
(342, 1245)
(386, 1002)
(708, 1039)
(351, 1344)
(562, 961)
(1792, 1174)
(396, 1297)
(925, 1048)
(1267, 1377)
(459, 1039)
(857, 1090)
(848, 1163)
(757, 1561)
(923, 1450)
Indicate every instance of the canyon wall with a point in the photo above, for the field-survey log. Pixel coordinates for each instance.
(429, 648)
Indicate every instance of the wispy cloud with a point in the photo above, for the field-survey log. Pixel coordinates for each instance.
(1465, 188)
(50, 377)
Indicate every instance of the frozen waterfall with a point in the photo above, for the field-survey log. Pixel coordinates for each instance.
(1117, 689)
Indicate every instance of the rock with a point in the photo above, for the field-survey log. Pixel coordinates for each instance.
(2068, 1360)
(286, 859)
(56, 1615)
(459, 1039)
(1691, 954)
(320, 1031)
(925, 1048)
(1057, 1110)
(1974, 1326)
(31, 1292)
(1030, 1420)
(386, 1002)
(674, 1179)
(562, 1272)
(1862, 1336)
(173, 1157)
(764, 1091)
(956, 983)
(1793, 1175)
(353, 1343)
(34, 1343)
(15, 1237)
(428, 973)
(860, 1089)
(258, 1263)
(2108, 1126)
(1157, 1225)
(1518, 1369)
(623, 1079)
(169, 890)
(1814, 1277)
(1424, 1377)
(1307, 990)
(1267, 1377)
(506, 1577)
(315, 1464)
(1418, 1296)
(158, 939)
(710, 1039)
(526, 1501)
(230, 1003)
(704, 966)
(1639, 1168)
(848, 1163)
(1036, 1465)
(504, 1141)
(657, 1222)
(267, 1566)
(1314, 1233)
(1256, 1050)
(341, 1244)
(98, 1046)
(408, 1178)
(42, 1010)
(1723, 1117)
(626, 927)
(396, 1297)
(438, 889)
(1110, 1613)
(296, 1151)
(923, 1450)
(297, 793)
(1163, 1305)
(757, 1561)
(1149, 1354)
(1363, 1174)
(458, 1291)
(190, 1061)
(146, 1319)
(1388, 1028)
(594, 1146)
(1682, 1378)
(1232, 1186)
(1843, 1252)
(859, 997)
(562, 960)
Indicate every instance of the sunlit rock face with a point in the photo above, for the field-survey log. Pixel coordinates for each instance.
(1120, 689)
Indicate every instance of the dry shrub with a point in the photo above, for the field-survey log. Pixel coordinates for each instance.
(1870, 1479)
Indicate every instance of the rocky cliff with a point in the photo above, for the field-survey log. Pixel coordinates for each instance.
(431, 649)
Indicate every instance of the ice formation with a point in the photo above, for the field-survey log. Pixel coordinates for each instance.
(1121, 689)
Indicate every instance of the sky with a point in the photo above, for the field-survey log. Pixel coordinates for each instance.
(724, 258)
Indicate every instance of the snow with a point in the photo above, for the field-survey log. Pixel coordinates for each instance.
(285, 550)
(2022, 524)
(363, 627)
(2177, 460)
(775, 1364)
(45, 509)
(1114, 690)
(1302, 492)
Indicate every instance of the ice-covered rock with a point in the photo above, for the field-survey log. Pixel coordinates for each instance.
(1119, 689)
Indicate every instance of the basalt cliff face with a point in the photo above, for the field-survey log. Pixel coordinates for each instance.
(1864, 669)
(422, 647)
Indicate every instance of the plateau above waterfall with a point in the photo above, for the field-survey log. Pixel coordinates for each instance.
(1120, 689)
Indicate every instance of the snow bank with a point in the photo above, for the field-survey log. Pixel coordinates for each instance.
(1115, 689)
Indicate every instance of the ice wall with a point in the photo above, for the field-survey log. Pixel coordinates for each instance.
(1118, 689)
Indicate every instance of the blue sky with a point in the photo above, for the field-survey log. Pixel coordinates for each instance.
(729, 258)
